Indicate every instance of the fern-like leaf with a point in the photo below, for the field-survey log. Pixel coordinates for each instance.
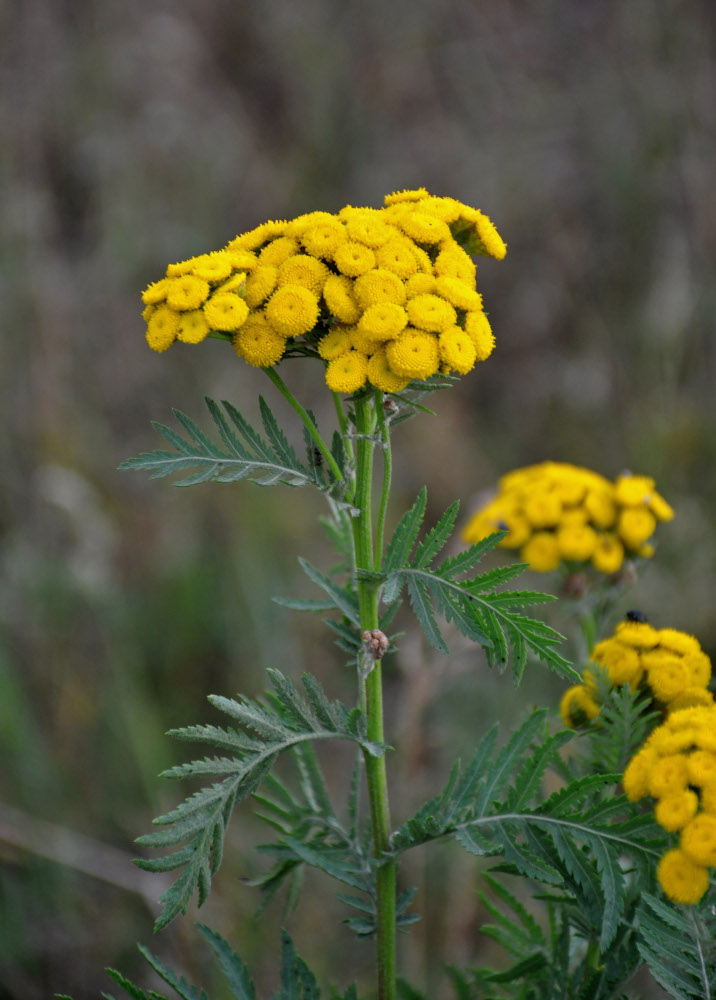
(478, 609)
(679, 946)
(242, 454)
(200, 822)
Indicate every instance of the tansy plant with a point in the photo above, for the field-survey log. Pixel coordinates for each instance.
(386, 301)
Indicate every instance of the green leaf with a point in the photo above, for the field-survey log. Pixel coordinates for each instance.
(178, 983)
(199, 823)
(420, 602)
(236, 973)
(239, 456)
(404, 536)
(343, 599)
(129, 988)
(437, 537)
(297, 604)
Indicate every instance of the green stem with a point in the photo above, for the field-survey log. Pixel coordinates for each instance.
(372, 697)
(387, 476)
(307, 422)
(343, 424)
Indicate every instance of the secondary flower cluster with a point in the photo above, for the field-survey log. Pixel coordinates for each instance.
(384, 296)
(670, 664)
(677, 763)
(555, 512)
(677, 767)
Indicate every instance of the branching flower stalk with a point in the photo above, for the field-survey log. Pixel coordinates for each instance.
(386, 300)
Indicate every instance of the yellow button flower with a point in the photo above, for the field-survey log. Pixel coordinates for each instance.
(193, 327)
(576, 542)
(542, 552)
(339, 296)
(414, 354)
(431, 313)
(278, 251)
(347, 373)
(382, 376)
(258, 343)
(225, 311)
(383, 321)
(259, 285)
(324, 239)
(336, 342)
(292, 310)
(636, 525)
(673, 812)
(457, 351)
(608, 554)
(187, 292)
(577, 708)
(698, 839)
(162, 328)
(353, 259)
(379, 285)
(683, 880)
(304, 270)
(478, 328)
(424, 228)
(396, 255)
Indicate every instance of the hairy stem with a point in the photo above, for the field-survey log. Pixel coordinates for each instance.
(307, 422)
(372, 697)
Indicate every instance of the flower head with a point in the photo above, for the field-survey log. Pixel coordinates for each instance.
(349, 281)
(580, 507)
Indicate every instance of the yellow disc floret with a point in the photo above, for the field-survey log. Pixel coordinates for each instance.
(162, 328)
(431, 313)
(187, 292)
(258, 343)
(383, 321)
(304, 270)
(352, 258)
(457, 350)
(292, 310)
(193, 327)
(415, 354)
(382, 376)
(339, 296)
(683, 880)
(347, 372)
(225, 311)
(379, 285)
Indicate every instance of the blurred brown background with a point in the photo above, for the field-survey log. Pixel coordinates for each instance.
(139, 133)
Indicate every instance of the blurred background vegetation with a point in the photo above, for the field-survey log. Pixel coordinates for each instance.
(139, 133)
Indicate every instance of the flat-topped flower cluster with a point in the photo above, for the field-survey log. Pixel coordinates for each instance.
(677, 767)
(677, 763)
(383, 296)
(558, 513)
(670, 664)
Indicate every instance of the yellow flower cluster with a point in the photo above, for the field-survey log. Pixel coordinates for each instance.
(670, 664)
(555, 512)
(384, 296)
(677, 767)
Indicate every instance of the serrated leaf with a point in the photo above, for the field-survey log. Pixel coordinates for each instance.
(178, 983)
(403, 539)
(199, 823)
(235, 971)
(420, 603)
(129, 988)
(342, 599)
(437, 537)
